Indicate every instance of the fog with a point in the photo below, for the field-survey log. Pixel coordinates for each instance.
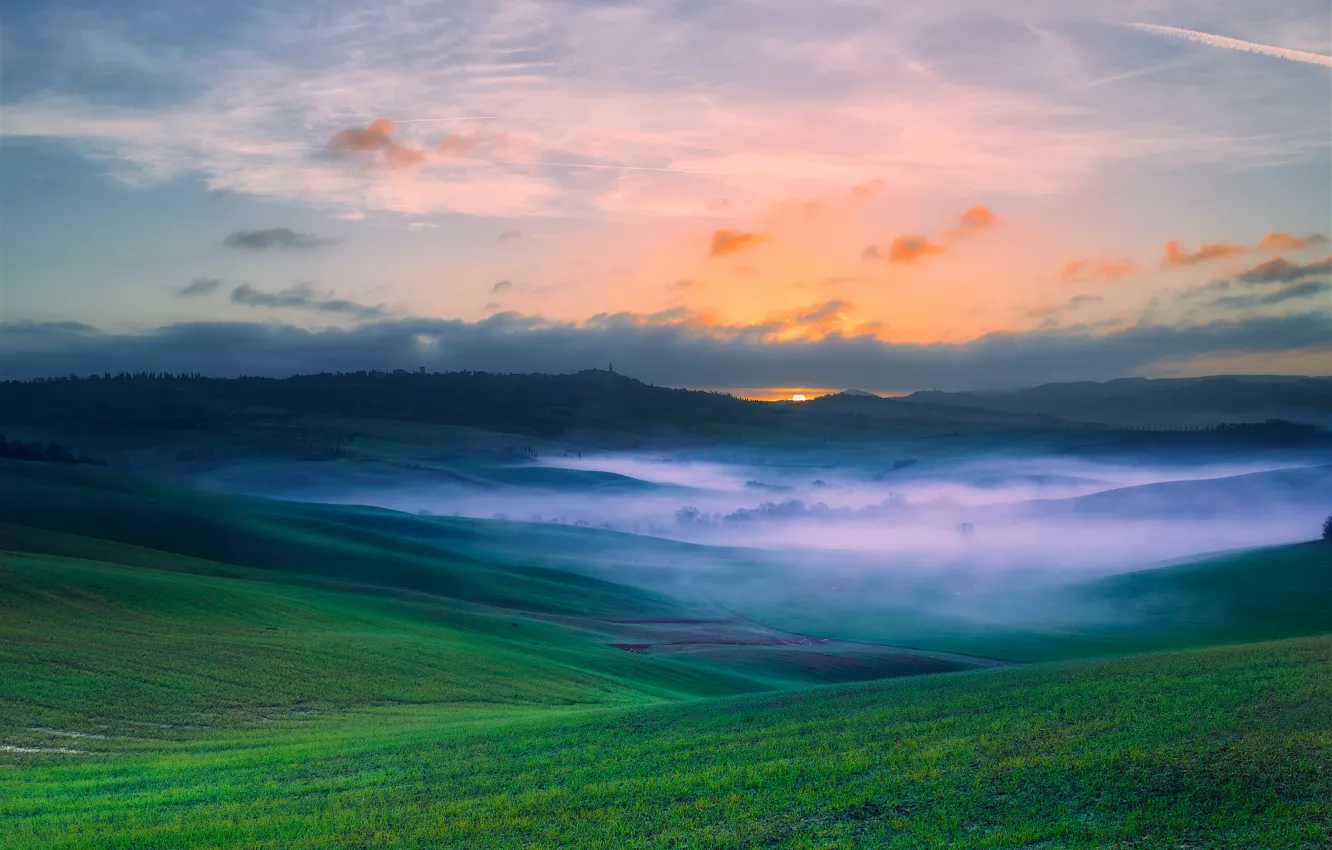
(1053, 514)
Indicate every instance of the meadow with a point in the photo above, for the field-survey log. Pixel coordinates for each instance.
(182, 669)
(1206, 748)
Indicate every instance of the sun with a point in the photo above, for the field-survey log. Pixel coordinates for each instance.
(798, 397)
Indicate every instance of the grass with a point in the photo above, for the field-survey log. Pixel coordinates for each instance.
(180, 670)
(1227, 747)
(1253, 595)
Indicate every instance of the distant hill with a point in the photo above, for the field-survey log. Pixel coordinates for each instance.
(1172, 402)
(535, 404)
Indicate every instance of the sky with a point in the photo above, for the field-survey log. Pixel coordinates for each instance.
(740, 195)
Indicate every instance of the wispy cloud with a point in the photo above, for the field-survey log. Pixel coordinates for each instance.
(1281, 270)
(1088, 269)
(1290, 242)
(801, 102)
(725, 242)
(911, 247)
(971, 222)
(276, 239)
(374, 146)
(905, 249)
(1295, 291)
(1235, 44)
(303, 296)
(200, 286)
(1177, 256)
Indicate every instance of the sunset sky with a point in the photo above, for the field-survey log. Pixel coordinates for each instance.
(892, 195)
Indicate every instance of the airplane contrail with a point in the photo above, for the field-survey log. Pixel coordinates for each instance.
(1237, 44)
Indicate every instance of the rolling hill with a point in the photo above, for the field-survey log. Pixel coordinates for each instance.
(190, 670)
(1159, 402)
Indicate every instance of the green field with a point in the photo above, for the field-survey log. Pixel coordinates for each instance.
(180, 669)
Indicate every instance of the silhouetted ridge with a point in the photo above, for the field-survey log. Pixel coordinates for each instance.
(547, 405)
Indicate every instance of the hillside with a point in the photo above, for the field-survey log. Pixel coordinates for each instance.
(190, 670)
(1160, 402)
(245, 606)
(1227, 748)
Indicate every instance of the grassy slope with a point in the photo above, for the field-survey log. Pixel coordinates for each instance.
(291, 703)
(1227, 747)
(90, 646)
(1259, 594)
(253, 608)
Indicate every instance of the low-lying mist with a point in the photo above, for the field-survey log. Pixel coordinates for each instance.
(1046, 513)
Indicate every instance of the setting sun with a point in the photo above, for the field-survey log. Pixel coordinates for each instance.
(798, 397)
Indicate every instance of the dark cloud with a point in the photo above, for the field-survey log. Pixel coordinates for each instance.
(667, 350)
(1281, 270)
(729, 241)
(1071, 304)
(1295, 291)
(510, 234)
(303, 296)
(374, 146)
(276, 239)
(502, 286)
(1177, 256)
(1290, 242)
(200, 286)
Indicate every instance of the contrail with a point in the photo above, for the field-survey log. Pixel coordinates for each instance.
(1236, 44)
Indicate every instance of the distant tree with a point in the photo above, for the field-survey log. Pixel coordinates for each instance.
(1327, 528)
(688, 514)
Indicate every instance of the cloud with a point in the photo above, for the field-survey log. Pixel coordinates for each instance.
(1071, 304)
(905, 249)
(374, 146)
(670, 350)
(200, 286)
(1288, 242)
(1088, 269)
(797, 102)
(464, 143)
(971, 222)
(911, 247)
(502, 286)
(304, 297)
(509, 235)
(276, 239)
(1236, 44)
(726, 242)
(1176, 256)
(1281, 270)
(1307, 289)
(869, 188)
